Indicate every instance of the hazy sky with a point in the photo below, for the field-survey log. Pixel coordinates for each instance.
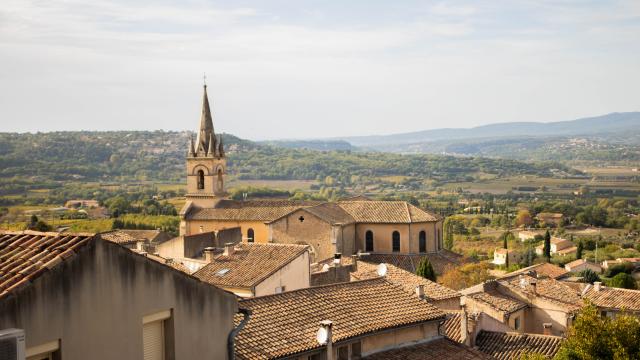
(294, 69)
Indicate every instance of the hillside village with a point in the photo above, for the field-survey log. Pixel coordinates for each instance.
(337, 279)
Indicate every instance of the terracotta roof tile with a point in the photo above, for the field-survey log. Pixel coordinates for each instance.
(407, 280)
(507, 346)
(497, 301)
(547, 288)
(286, 324)
(256, 210)
(542, 270)
(438, 349)
(249, 264)
(440, 261)
(388, 212)
(25, 255)
(452, 326)
(614, 298)
(126, 236)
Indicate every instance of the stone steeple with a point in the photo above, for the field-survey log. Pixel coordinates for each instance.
(206, 132)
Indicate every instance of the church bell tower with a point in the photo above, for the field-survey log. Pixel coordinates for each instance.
(206, 162)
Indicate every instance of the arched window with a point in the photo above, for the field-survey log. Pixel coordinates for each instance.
(220, 180)
(422, 241)
(395, 243)
(250, 235)
(200, 180)
(368, 241)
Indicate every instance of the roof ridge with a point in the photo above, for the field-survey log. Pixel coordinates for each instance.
(514, 333)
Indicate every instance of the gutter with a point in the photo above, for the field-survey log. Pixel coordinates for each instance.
(232, 335)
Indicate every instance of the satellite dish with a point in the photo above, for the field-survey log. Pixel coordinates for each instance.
(382, 269)
(322, 336)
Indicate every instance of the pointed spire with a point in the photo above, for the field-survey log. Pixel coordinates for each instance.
(212, 146)
(220, 147)
(206, 124)
(192, 151)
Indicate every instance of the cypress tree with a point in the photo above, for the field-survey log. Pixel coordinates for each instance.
(426, 270)
(547, 245)
(579, 250)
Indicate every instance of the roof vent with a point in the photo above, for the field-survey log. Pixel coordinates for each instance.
(208, 254)
(229, 249)
(222, 272)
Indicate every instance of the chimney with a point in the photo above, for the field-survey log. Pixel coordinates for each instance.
(534, 286)
(208, 254)
(337, 259)
(464, 334)
(420, 291)
(140, 245)
(546, 328)
(597, 285)
(354, 263)
(229, 248)
(324, 337)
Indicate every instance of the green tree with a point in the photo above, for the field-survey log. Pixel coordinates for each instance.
(426, 270)
(579, 250)
(593, 337)
(589, 276)
(623, 280)
(547, 245)
(448, 233)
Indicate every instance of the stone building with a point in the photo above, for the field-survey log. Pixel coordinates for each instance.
(77, 296)
(356, 224)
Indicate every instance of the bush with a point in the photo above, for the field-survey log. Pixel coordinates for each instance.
(589, 276)
(623, 280)
(426, 270)
(620, 268)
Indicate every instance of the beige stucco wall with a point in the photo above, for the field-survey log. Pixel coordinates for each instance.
(94, 303)
(171, 249)
(409, 236)
(292, 276)
(542, 312)
(394, 338)
(313, 231)
(210, 167)
(447, 304)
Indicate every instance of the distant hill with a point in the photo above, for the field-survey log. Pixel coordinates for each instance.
(321, 145)
(598, 125)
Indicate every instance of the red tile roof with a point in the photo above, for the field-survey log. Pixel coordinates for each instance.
(286, 324)
(26, 255)
(543, 270)
(438, 349)
(614, 298)
(452, 326)
(497, 301)
(508, 346)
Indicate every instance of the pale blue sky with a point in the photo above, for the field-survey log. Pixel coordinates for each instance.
(301, 69)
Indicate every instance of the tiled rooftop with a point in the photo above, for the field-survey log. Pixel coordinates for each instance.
(614, 298)
(499, 302)
(286, 324)
(129, 236)
(249, 264)
(257, 210)
(543, 270)
(508, 346)
(438, 349)
(441, 261)
(389, 212)
(25, 255)
(407, 280)
(452, 327)
(546, 288)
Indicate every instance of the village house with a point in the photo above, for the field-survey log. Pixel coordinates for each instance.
(512, 346)
(500, 257)
(559, 246)
(612, 301)
(349, 320)
(528, 235)
(137, 239)
(550, 219)
(609, 263)
(82, 297)
(345, 226)
(249, 270)
(579, 265)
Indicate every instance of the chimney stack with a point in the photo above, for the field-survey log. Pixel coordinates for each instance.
(208, 254)
(324, 337)
(534, 286)
(337, 259)
(597, 286)
(354, 263)
(140, 245)
(546, 328)
(420, 291)
(229, 249)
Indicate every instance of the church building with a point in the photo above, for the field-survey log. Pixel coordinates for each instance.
(346, 227)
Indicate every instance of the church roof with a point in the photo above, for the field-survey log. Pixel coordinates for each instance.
(206, 132)
(251, 210)
(387, 212)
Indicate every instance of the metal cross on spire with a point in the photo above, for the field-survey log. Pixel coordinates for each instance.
(204, 79)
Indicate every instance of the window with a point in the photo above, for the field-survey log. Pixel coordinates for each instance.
(395, 241)
(200, 180)
(343, 352)
(280, 289)
(220, 180)
(356, 351)
(154, 335)
(422, 241)
(301, 218)
(250, 235)
(368, 241)
(516, 323)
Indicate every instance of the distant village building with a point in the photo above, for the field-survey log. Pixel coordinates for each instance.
(579, 265)
(609, 263)
(81, 203)
(328, 228)
(77, 296)
(550, 219)
(559, 246)
(528, 235)
(500, 257)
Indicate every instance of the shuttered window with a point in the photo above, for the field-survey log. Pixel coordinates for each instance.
(153, 340)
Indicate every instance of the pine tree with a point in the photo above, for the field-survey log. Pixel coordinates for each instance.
(426, 270)
(579, 250)
(547, 245)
